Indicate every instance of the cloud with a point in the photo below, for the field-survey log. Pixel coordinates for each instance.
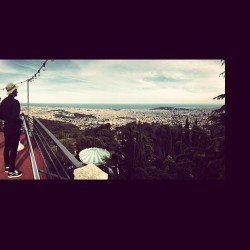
(116, 81)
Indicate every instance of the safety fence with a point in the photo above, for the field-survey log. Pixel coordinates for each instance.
(59, 162)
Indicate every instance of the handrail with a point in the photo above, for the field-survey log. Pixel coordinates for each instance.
(65, 151)
(44, 147)
(31, 152)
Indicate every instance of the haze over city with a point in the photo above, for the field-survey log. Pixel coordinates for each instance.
(116, 81)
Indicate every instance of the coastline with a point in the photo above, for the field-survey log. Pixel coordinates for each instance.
(122, 106)
(86, 117)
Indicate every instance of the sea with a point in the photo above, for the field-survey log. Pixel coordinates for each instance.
(122, 106)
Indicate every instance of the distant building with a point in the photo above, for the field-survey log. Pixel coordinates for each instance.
(113, 127)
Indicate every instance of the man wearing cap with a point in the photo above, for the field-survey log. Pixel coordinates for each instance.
(10, 111)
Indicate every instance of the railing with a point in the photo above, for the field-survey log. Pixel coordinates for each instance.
(31, 152)
(59, 162)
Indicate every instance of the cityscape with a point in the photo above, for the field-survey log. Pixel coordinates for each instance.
(90, 118)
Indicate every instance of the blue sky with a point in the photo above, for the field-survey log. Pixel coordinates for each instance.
(116, 81)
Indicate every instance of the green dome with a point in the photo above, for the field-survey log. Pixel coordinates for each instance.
(94, 155)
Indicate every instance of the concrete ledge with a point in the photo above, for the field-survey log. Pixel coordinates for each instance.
(90, 172)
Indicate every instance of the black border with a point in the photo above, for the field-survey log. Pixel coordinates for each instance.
(190, 38)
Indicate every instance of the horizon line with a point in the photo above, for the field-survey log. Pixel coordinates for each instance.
(123, 103)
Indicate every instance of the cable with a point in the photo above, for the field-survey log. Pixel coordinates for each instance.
(31, 79)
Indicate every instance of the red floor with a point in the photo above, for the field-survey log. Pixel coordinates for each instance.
(23, 162)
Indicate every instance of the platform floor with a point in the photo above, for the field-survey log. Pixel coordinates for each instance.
(23, 162)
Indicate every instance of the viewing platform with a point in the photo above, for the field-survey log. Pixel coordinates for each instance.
(44, 157)
(23, 160)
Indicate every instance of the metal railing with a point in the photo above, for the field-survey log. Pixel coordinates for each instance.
(59, 162)
(31, 152)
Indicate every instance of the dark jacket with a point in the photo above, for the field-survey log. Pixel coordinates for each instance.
(10, 113)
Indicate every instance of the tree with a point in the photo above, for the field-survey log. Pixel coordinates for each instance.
(187, 133)
(179, 147)
(168, 141)
(217, 116)
(187, 124)
(216, 149)
(127, 148)
(195, 135)
(179, 132)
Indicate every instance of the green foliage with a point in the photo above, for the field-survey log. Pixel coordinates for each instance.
(216, 169)
(141, 174)
(179, 147)
(169, 163)
(218, 116)
(57, 127)
(196, 134)
(187, 124)
(219, 97)
(156, 174)
(153, 151)
(69, 144)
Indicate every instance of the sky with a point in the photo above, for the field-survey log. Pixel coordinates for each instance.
(116, 81)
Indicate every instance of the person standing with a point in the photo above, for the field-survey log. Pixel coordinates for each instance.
(10, 113)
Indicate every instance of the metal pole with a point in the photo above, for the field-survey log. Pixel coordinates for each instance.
(28, 102)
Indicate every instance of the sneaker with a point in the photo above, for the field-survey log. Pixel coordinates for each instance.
(14, 174)
(6, 169)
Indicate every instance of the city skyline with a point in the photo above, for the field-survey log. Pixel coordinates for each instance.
(116, 81)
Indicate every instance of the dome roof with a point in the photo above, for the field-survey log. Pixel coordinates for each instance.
(94, 155)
